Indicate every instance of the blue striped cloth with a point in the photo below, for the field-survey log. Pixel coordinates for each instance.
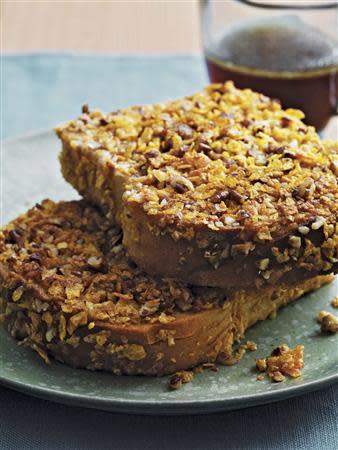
(41, 90)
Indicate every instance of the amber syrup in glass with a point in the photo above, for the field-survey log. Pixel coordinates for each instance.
(285, 59)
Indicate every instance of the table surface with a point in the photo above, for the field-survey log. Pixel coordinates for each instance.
(146, 26)
(304, 423)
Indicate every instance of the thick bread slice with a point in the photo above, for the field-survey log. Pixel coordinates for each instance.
(97, 180)
(154, 349)
(211, 185)
(68, 292)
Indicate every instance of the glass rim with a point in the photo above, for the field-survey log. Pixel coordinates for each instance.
(290, 4)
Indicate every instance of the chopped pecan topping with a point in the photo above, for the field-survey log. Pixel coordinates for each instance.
(185, 131)
(14, 236)
(152, 154)
(204, 147)
(180, 188)
(85, 109)
(236, 196)
(285, 122)
(36, 257)
(219, 197)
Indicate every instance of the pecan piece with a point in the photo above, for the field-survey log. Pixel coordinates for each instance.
(184, 131)
(85, 109)
(236, 196)
(219, 197)
(14, 236)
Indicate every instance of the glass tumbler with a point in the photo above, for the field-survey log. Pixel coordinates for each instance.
(284, 49)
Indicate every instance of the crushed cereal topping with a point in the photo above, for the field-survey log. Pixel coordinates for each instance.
(94, 280)
(220, 159)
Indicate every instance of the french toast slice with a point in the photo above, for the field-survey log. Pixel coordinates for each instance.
(69, 291)
(210, 186)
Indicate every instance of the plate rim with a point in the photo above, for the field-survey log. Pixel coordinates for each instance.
(149, 407)
(183, 407)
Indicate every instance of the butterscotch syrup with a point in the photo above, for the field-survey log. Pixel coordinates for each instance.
(285, 59)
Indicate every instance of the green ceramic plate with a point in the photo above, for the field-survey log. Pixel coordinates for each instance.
(31, 173)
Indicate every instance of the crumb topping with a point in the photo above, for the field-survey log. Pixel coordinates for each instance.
(220, 159)
(68, 254)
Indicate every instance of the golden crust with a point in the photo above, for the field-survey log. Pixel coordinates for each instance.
(223, 171)
(69, 293)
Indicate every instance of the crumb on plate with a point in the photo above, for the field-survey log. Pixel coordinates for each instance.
(282, 361)
(334, 302)
(179, 378)
(328, 322)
